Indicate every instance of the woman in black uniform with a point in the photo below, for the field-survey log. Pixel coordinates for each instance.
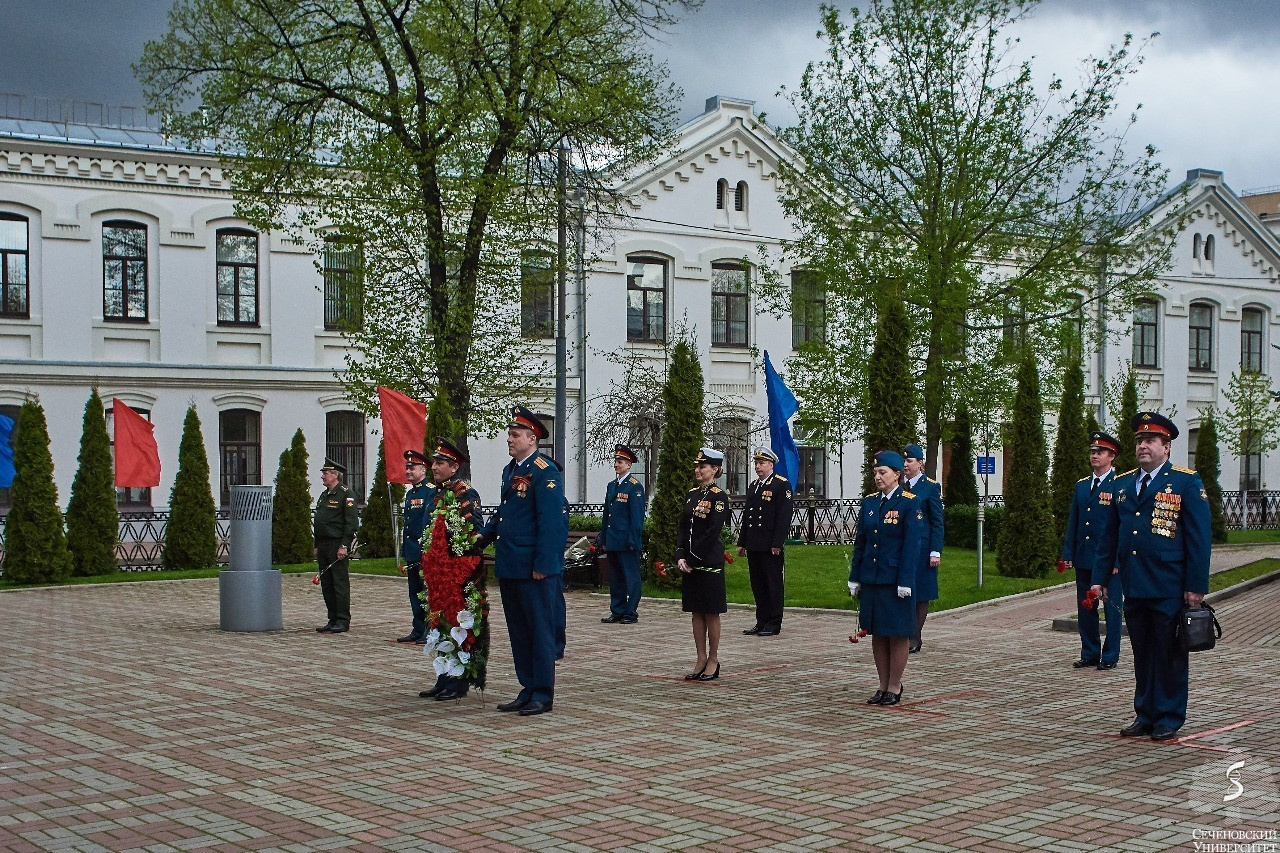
(700, 555)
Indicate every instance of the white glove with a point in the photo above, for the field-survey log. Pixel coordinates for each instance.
(854, 586)
(904, 592)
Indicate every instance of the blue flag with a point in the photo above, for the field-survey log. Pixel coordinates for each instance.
(6, 452)
(782, 405)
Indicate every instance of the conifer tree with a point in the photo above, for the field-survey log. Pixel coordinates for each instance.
(35, 542)
(93, 524)
(376, 537)
(1071, 448)
(1025, 547)
(291, 532)
(190, 540)
(961, 485)
(890, 409)
(682, 398)
(1127, 458)
(1209, 467)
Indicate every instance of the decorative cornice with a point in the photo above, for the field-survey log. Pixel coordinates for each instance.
(95, 168)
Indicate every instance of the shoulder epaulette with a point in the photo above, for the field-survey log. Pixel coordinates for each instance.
(633, 481)
(1085, 479)
(716, 490)
(930, 479)
(540, 462)
(782, 479)
(907, 494)
(873, 494)
(465, 485)
(1184, 470)
(1127, 473)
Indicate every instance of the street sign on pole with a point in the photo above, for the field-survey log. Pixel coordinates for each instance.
(986, 464)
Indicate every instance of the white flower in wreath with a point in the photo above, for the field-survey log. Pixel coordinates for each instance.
(456, 670)
(459, 634)
(466, 619)
(440, 665)
(464, 657)
(445, 647)
(433, 637)
(429, 651)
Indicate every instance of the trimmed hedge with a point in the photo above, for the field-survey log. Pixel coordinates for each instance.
(961, 527)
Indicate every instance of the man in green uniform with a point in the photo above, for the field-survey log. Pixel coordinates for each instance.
(336, 521)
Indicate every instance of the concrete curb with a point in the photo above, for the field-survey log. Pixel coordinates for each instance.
(1069, 624)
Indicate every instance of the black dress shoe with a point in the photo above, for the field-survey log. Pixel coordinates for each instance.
(694, 676)
(338, 629)
(914, 647)
(535, 707)
(1136, 729)
(408, 638)
(1082, 663)
(755, 630)
(765, 632)
(514, 705)
(1106, 664)
(629, 620)
(876, 697)
(611, 618)
(432, 693)
(1163, 733)
(325, 628)
(891, 698)
(702, 676)
(450, 693)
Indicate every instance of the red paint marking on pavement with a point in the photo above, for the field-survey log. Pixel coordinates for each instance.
(1216, 731)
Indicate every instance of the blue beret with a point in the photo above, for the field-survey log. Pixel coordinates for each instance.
(889, 459)
(913, 451)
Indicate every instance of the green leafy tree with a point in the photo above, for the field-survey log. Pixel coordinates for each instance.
(190, 539)
(437, 119)
(93, 523)
(682, 436)
(961, 485)
(1209, 467)
(1252, 420)
(291, 531)
(890, 406)
(1001, 194)
(1070, 448)
(1127, 458)
(1025, 548)
(376, 536)
(35, 543)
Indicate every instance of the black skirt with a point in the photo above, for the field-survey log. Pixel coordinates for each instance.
(703, 592)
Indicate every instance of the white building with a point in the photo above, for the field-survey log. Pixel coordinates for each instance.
(125, 268)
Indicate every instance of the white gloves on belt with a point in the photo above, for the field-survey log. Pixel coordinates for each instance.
(854, 586)
(904, 592)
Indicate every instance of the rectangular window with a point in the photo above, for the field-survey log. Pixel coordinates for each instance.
(124, 271)
(128, 499)
(343, 264)
(547, 446)
(1146, 335)
(728, 304)
(344, 444)
(1200, 338)
(646, 299)
(1193, 436)
(644, 440)
(1251, 340)
(14, 266)
(537, 296)
(730, 438)
(237, 278)
(240, 449)
(813, 473)
(808, 308)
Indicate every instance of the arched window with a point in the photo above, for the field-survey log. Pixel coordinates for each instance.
(1210, 250)
(124, 270)
(740, 197)
(14, 266)
(1197, 247)
(344, 444)
(1252, 324)
(722, 192)
(1200, 336)
(1146, 334)
(237, 277)
(729, 309)
(646, 299)
(240, 449)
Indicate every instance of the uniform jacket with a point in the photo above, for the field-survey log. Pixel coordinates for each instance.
(766, 516)
(706, 512)
(887, 547)
(1082, 540)
(420, 503)
(532, 521)
(1160, 543)
(336, 515)
(930, 494)
(624, 505)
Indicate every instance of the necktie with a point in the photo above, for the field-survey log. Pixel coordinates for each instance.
(1142, 484)
(1096, 482)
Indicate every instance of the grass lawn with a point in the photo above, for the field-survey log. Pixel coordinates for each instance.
(1242, 537)
(818, 575)
(383, 566)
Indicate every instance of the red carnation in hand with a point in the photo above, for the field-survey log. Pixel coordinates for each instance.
(660, 568)
(404, 570)
(727, 557)
(316, 580)
(853, 638)
(1063, 565)
(1090, 601)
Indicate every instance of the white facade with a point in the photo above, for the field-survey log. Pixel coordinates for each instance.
(716, 201)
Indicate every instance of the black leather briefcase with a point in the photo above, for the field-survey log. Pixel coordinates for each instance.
(1198, 628)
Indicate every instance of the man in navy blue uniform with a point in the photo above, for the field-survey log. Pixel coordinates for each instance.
(419, 500)
(886, 555)
(766, 518)
(1091, 500)
(624, 503)
(929, 491)
(1156, 537)
(530, 528)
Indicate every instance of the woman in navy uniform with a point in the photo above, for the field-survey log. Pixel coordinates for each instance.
(1090, 501)
(700, 556)
(620, 531)
(419, 500)
(1156, 538)
(929, 492)
(886, 554)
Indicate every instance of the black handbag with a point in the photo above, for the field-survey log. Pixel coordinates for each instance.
(1198, 629)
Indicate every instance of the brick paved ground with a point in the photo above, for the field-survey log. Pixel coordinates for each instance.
(130, 722)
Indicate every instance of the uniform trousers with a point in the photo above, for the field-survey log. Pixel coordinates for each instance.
(1160, 667)
(530, 610)
(335, 582)
(767, 588)
(562, 615)
(1091, 646)
(416, 586)
(624, 582)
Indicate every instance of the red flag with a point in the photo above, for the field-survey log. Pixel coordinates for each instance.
(404, 427)
(137, 457)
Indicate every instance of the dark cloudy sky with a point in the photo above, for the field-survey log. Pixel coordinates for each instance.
(1208, 87)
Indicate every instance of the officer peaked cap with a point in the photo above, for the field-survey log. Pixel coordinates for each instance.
(525, 419)
(621, 451)
(415, 457)
(764, 454)
(1099, 440)
(1153, 423)
(709, 456)
(450, 452)
(330, 465)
